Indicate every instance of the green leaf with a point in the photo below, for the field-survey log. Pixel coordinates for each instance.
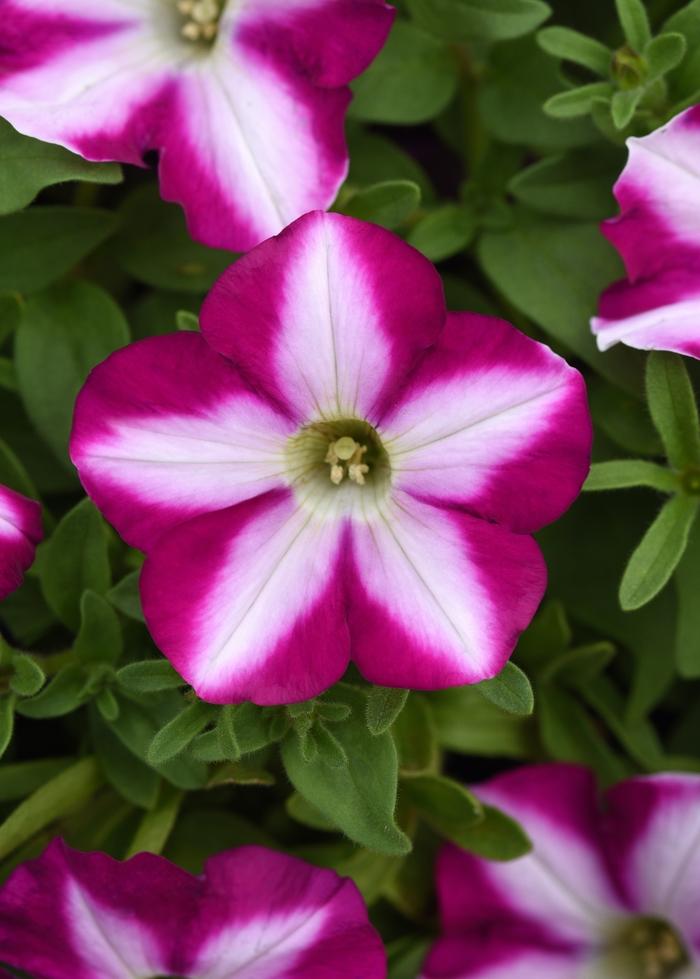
(415, 737)
(306, 814)
(623, 473)
(358, 798)
(510, 691)
(132, 778)
(149, 676)
(157, 825)
(575, 667)
(688, 589)
(658, 553)
(66, 793)
(240, 773)
(374, 158)
(65, 693)
(40, 245)
(384, 704)
(107, 704)
(388, 203)
(624, 418)
(411, 80)
(28, 166)
(635, 23)
(663, 54)
(7, 721)
(570, 45)
(466, 722)
(19, 779)
(576, 102)
(226, 731)
(75, 558)
(28, 677)
(444, 232)
(154, 246)
(624, 105)
(13, 473)
(487, 20)
(673, 408)
(444, 804)
(406, 956)
(184, 320)
(554, 272)
(495, 837)
(330, 750)
(64, 333)
(126, 598)
(179, 732)
(578, 185)
(100, 636)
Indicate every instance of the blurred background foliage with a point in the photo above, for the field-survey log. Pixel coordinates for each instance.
(489, 134)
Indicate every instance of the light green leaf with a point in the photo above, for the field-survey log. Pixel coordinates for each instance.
(624, 105)
(623, 473)
(570, 45)
(66, 692)
(510, 691)
(388, 203)
(487, 20)
(28, 677)
(444, 232)
(149, 676)
(7, 721)
(657, 555)
(673, 408)
(157, 825)
(663, 54)
(18, 779)
(576, 102)
(384, 704)
(634, 20)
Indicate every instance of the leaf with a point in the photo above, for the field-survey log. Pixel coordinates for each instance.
(510, 691)
(13, 473)
(65, 793)
(384, 704)
(359, 798)
(73, 559)
(125, 596)
(18, 779)
(444, 232)
(374, 158)
(466, 722)
(575, 185)
(63, 334)
(495, 837)
(100, 636)
(673, 408)
(65, 693)
(663, 54)
(28, 677)
(157, 824)
(635, 23)
(411, 80)
(179, 732)
(27, 166)
(487, 20)
(132, 778)
(623, 417)
(570, 45)
(149, 676)
(576, 667)
(657, 555)
(40, 245)
(226, 732)
(388, 203)
(240, 773)
(154, 247)
(444, 804)
(624, 473)
(576, 102)
(688, 588)
(624, 105)
(7, 721)
(306, 814)
(184, 320)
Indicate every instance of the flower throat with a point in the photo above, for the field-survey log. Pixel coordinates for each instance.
(200, 19)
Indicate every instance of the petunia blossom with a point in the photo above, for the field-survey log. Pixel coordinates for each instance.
(244, 100)
(20, 532)
(334, 468)
(610, 889)
(658, 235)
(253, 914)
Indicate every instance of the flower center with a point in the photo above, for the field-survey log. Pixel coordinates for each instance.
(200, 19)
(647, 949)
(344, 451)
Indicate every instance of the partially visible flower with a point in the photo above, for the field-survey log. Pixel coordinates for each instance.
(658, 236)
(611, 889)
(254, 914)
(244, 100)
(20, 532)
(334, 467)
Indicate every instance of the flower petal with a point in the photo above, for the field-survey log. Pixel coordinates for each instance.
(437, 597)
(255, 914)
(20, 532)
(561, 893)
(165, 429)
(652, 831)
(92, 77)
(495, 955)
(247, 602)
(328, 316)
(492, 421)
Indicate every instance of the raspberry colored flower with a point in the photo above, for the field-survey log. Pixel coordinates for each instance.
(611, 888)
(335, 468)
(254, 914)
(244, 100)
(20, 532)
(658, 236)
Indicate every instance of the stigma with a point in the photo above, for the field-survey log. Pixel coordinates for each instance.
(201, 19)
(345, 457)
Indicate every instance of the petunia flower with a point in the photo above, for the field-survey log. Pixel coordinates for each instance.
(658, 236)
(254, 914)
(244, 100)
(611, 889)
(333, 469)
(20, 532)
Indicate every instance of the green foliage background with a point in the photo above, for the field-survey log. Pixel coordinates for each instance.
(488, 134)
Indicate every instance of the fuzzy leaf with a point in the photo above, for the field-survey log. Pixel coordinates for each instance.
(510, 691)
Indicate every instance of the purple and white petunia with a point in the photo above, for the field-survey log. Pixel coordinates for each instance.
(253, 914)
(658, 236)
(244, 100)
(334, 468)
(611, 888)
(20, 532)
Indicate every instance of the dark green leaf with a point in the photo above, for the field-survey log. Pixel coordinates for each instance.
(126, 598)
(64, 694)
(306, 814)
(132, 778)
(13, 473)
(488, 20)
(688, 588)
(7, 721)
(100, 636)
(578, 185)
(384, 704)
(510, 691)
(444, 232)
(495, 837)
(21, 778)
(673, 408)
(28, 677)
(444, 804)
(179, 732)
